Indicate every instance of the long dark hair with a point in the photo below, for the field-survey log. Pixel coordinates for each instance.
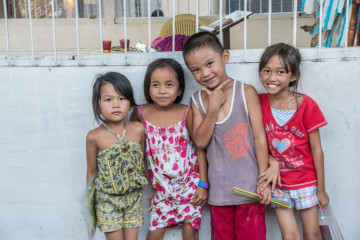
(290, 57)
(163, 63)
(121, 84)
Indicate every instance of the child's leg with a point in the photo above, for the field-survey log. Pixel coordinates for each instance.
(157, 234)
(131, 233)
(222, 222)
(116, 235)
(189, 233)
(287, 223)
(310, 223)
(250, 221)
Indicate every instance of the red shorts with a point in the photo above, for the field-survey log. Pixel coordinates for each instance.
(245, 221)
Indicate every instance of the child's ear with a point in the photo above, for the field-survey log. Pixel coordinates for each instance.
(294, 78)
(226, 56)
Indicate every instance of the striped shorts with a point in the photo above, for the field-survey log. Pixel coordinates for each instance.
(302, 198)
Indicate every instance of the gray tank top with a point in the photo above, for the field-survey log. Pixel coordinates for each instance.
(231, 153)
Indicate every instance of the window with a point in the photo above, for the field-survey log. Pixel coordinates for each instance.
(43, 9)
(262, 6)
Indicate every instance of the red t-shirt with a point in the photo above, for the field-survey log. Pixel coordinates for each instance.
(290, 145)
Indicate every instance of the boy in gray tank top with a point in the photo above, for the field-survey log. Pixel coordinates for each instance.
(227, 121)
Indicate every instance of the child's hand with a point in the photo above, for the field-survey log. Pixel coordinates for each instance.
(217, 96)
(323, 198)
(271, 175)
(200, 197)
(265, 193)
(150, 199)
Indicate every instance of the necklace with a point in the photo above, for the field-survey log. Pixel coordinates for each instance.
(279, 107)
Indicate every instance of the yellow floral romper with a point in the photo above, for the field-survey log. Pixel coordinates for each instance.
(119, 185)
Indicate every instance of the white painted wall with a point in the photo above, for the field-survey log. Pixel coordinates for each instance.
(46, 114)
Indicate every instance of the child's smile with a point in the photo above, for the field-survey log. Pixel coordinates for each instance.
(274, 77)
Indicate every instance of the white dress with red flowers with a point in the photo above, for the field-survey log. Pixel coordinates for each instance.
(174, 173)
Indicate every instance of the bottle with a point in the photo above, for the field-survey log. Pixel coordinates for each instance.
(328, 226)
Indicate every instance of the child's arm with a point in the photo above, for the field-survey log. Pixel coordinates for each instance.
(257, 126)
(150, 198)
(272, 175)
(203, 127)
(91, 152)
(318, 157)
(201, 194)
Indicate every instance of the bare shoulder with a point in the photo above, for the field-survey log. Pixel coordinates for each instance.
(93, 135)
(299, 98)
(182, 107)
(250, 93)
(249, 89)
(136, 127)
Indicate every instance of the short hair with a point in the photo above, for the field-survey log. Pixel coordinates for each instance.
(289, 55)
(163, 63)
(121, 84)
(202, 39)
(157, 13)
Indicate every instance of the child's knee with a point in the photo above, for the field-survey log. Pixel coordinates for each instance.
(313, 235)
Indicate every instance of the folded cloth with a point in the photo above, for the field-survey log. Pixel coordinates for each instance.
(164, 44)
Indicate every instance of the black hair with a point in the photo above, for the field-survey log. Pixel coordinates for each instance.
(163, 63)
(157, 13)
(121, 84)
(199, 40)
(290, 57)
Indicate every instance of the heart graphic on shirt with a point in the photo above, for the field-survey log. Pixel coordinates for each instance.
(282, 145)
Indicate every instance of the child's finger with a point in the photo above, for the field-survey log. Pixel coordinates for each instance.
(207, 91)
(279, 181)
(267, 182)
(223, 84)
(273, 185)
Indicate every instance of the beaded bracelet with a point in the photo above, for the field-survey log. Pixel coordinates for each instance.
(204, 184)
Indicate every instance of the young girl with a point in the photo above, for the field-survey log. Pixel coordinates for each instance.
(174, 167)
(292, 121)
(114, 152)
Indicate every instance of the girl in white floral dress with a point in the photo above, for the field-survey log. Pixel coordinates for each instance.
(177, 172)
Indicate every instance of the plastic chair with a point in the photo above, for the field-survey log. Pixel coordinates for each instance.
(185, 24)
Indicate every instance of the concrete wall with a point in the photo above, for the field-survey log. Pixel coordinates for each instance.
(46, 114)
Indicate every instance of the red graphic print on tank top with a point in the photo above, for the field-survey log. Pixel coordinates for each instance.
(236, 140)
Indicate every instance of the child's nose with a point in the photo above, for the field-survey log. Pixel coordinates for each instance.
(273, 75)
(162, 89)
(205, 73)
(115, 103)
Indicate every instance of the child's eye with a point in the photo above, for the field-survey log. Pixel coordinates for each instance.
(195, 70)
(107, 100)
(170, 84)
(209, 63)
(265, 71)
(281, 72)
(122, 99)
(154, 85)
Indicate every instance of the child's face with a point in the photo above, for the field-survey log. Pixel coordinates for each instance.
(208, 66)
(274, 77)
(113, 106)
(164, 86)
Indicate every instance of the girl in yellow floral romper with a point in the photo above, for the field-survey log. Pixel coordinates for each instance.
(114, 153)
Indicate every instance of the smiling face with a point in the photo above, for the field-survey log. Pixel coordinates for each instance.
(113, 106)
(274, 77)
(164, 86)
(208, 66)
